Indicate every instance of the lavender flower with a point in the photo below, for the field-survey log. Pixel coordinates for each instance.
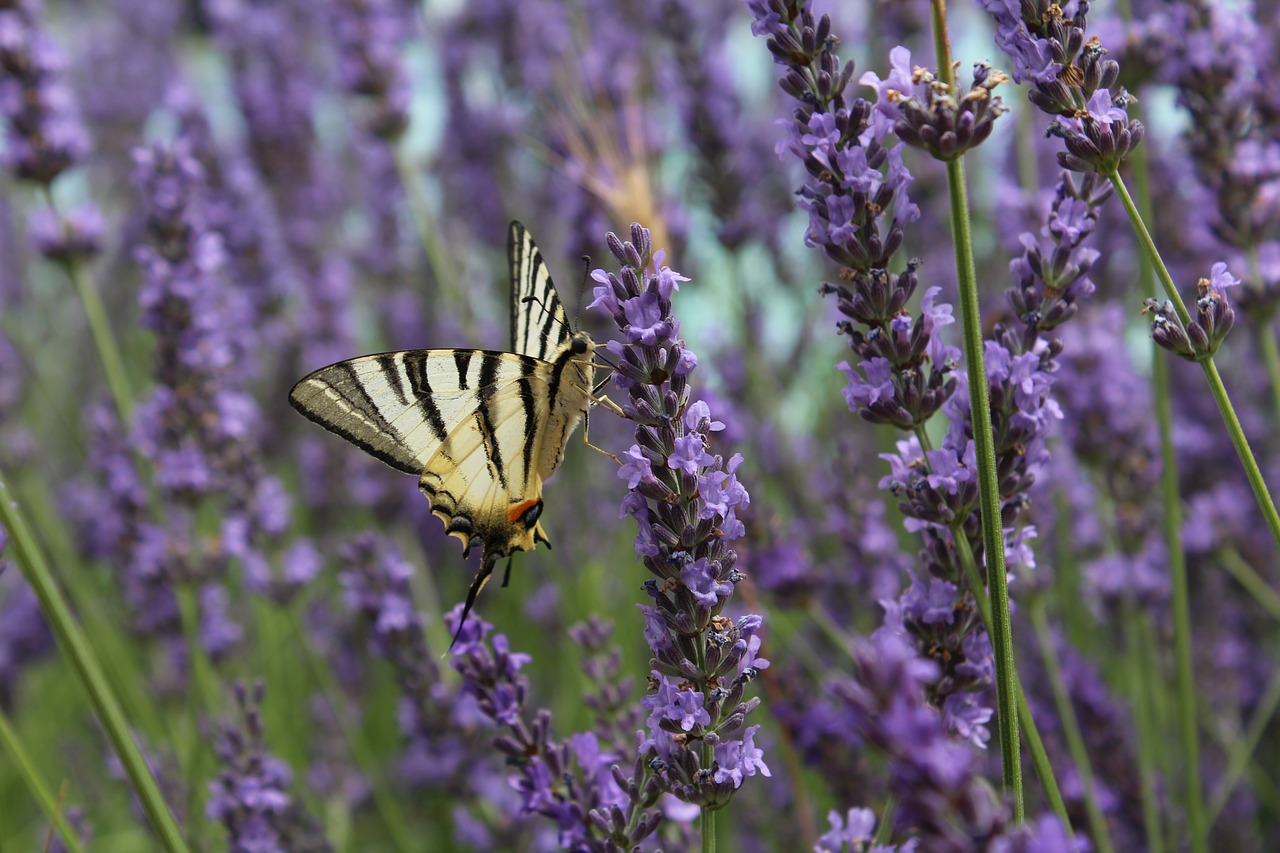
(367, 35)
(939, 797)
(1200, 338)
(276, 72)
(577, 783)
(928, 116)
(732, 154)
(1219, 72)
(858, 183)
(1069, 79)
(44, 135)
(376, 586)
(73, 238)
(250, 794)
(686, 502)
(856, 830)
(25, 637)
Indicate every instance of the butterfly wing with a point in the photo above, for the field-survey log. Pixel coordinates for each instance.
(467, 422)
(539, 326)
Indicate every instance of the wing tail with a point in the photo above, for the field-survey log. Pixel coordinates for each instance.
(488, 561)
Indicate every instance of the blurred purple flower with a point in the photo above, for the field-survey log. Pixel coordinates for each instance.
(368, 34)
(250, 795)
(25, 637)
(44, 135)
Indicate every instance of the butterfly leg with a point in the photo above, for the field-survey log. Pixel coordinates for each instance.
(506, 576)
(477, 584)
(608, 405)
(586, 432)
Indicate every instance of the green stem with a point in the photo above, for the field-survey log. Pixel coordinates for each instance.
(1039, 757)
(1172, 503)
(707, 824)
(202, 695)
(83, 658)
(1271, 359)
(1219, 391)
(988, 491)
(384, 800)
(1147, 684)
(1001, 629)
(1243, 749)
(707, 817)
(438, 260)
(31, 775)
(1265, 331)
(99, 327)
(1139, 674)
(1070, 726)
(1248, 577)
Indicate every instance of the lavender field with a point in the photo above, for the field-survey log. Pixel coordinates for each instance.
(935, 423)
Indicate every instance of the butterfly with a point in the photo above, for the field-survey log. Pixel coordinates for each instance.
(481, 429)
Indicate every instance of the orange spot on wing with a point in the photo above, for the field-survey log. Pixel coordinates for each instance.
(513, 514)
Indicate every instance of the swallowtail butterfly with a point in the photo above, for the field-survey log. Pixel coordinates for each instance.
(480, 429)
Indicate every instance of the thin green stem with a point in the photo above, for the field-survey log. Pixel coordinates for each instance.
(83, 658)
(438, 260)
(384, 800)
(988, 491)
(1242, 750)
(1001, 629)
(1070, 726)
(1270, 359)
(1266, 333)
(1247, 576)
(1186, 689)
(202, 695)
(100, 328)
(1138, 681)
(1219, 391)
(1150, 691)
(1039, 757)
(707, 818)
(31, 776)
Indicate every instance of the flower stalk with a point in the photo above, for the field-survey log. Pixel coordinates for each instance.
(84, 660)
(988, 481)
(1216, 386)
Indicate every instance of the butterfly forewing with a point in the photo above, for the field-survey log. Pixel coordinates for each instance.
(539, 325)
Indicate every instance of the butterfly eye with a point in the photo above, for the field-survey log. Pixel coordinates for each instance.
(578, 345)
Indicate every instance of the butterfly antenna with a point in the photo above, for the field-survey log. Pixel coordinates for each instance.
(477, 584)
(536, 301)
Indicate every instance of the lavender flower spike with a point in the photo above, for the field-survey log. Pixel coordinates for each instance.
(1070, 78)
(44, 135)
(249, 796)
(685, 500)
